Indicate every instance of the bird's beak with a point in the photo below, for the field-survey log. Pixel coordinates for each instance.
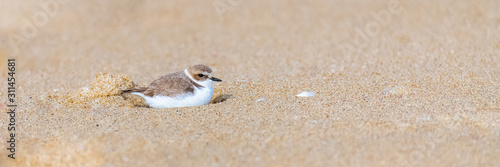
(215, 79)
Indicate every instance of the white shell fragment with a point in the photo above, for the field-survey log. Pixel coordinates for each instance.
(306, 94)
(261, 99)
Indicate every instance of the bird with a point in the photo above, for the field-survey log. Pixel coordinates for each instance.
(191, 87)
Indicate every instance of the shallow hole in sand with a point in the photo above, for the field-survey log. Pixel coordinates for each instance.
(220, 98)
(138, 101)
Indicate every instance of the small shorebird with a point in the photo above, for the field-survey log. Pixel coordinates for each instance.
(191, 87)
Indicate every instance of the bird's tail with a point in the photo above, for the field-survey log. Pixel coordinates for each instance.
(140, 89)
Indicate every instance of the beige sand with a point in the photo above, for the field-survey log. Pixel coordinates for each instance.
(423, 92)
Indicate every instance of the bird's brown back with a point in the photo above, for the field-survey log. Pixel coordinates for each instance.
(171, 85)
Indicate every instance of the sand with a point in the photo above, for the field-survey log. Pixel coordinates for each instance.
(420, 89)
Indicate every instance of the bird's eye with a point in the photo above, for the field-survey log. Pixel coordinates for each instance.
(200, 75)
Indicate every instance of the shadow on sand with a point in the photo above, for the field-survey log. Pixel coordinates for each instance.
(221, 98)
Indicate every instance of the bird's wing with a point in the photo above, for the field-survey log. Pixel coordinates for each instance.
(170, 85)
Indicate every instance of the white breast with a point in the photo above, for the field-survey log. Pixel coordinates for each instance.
(200, 96)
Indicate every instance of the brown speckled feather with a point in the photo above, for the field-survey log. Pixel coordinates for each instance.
(171, 85)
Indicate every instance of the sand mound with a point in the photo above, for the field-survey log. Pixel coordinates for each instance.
(105, 84)
(104, 89)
